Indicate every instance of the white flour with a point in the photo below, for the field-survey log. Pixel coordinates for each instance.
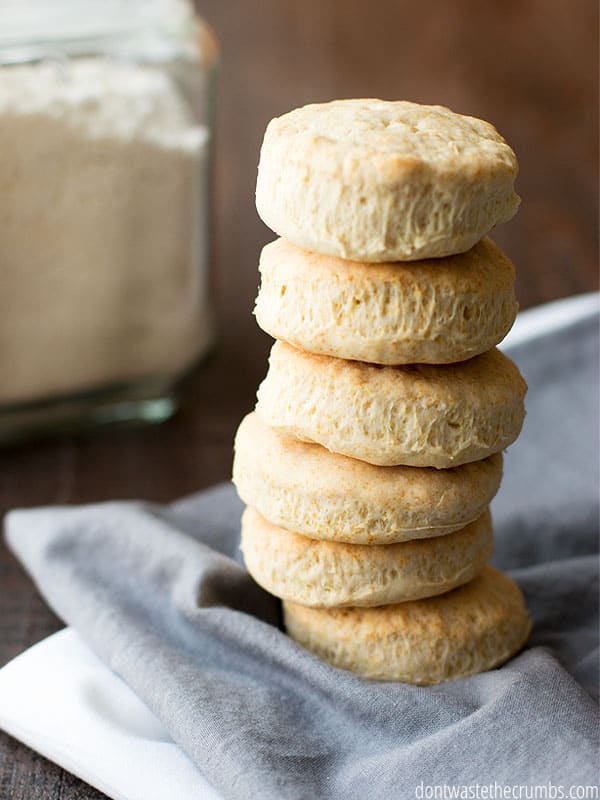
(103, 274)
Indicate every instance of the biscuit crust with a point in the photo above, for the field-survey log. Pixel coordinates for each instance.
(436, 311)
(305, 488)
(418, 415)
(472, 629)
(326, 574)
(375, 180)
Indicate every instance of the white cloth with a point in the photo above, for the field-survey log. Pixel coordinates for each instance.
(60, 699)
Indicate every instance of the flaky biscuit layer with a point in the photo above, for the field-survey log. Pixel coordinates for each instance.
(305, 488)
(437, 311)
(419, 415)
(375, 180)
(326, 574)
(469, 630)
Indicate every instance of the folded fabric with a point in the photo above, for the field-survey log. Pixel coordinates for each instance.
(160, 594)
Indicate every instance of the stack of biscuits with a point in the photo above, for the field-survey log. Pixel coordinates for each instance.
(376, 445)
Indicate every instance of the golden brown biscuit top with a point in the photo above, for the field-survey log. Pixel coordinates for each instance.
(487, 379)
(483, 602)
(397, 137)
(484, 268)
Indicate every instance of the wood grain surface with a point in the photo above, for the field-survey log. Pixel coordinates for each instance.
(529, 66)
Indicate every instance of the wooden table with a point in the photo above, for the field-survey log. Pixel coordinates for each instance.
(527, 66)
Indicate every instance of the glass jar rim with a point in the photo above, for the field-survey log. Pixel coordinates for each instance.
(30, 28)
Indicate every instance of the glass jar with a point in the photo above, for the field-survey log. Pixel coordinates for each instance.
(106, 123)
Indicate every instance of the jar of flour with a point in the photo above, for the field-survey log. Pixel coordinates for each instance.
(106, 119)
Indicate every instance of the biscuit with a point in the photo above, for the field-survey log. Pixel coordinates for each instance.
(307, 489)
(469, 630)
(418, 415)
(332, 575)
(426, 312)
(375, 180)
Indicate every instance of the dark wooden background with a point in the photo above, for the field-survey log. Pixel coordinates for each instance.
(528, 66)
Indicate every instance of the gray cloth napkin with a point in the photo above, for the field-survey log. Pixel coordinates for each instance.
(160, 594)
